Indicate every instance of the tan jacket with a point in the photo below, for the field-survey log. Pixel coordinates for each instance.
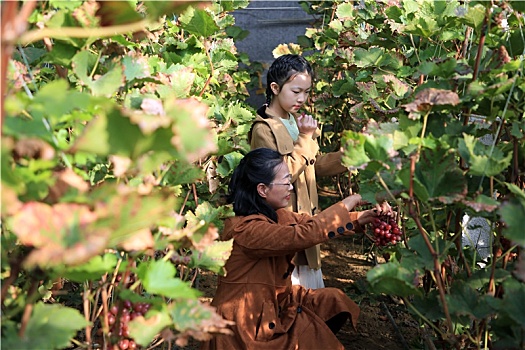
(304, 164)
(257, 293)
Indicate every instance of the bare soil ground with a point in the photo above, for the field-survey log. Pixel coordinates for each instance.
(384, 322)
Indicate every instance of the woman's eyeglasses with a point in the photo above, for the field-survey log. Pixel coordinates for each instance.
(289, 183)
(285, 184)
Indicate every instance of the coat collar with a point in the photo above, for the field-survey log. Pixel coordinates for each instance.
(283, 140)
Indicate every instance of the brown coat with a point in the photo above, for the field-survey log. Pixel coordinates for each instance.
(304, 164)
(257, 292)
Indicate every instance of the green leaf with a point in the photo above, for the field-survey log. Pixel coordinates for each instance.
(367, 58)
(475, 16)
(200, 314)
(514, 301)
(343, 86)
(512, 213)
(425, 27)
(107, 84)
(31, 54)
(345, 11)
(391, 278)
(437, 176)
(228, 163)
(198, 22)
(157, 9)
(354, 149)
(117, 12)
(181, 172)
(379, 148)
(61, 4)
(103, 136)
(50, 327)
(92, 270)
(239, 114)
(144, 329)
(423, 256)
(62, 53)
(158, 277)
(481, 278)
(135, 67)
(17, 126)
(213, 257)
(55, 100)
(483, 160)
(465, 300)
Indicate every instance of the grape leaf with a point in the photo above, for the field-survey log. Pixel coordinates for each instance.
(158, 277)
(144, 329)
(50, 326)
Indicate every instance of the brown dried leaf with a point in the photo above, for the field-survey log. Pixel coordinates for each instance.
(142, 240)
(427, 98)
(285, 49)
(152, 106)
(79, 253)
(120, 164)
(60, 233)
(38, 224)
(85, 14)
(211, 175)
(10, 203)
(207, 239)
(481, 206)
(151, 117)
(66, 179)
(33, 148)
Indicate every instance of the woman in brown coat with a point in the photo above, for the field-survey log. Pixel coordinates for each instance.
(279, 126)
(256, 293)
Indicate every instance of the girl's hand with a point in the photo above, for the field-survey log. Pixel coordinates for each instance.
(351, 201)
(306, 124)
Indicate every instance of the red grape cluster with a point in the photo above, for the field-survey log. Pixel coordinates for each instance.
(119, 330)
(386, 231)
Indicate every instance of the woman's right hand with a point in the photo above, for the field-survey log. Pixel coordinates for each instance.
(306, 124)
(351, 201)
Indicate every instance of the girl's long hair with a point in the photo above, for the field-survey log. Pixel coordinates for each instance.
(258, 166)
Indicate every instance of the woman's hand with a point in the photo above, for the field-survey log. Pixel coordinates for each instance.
(352, 201)
(367, 216)
(306, 124)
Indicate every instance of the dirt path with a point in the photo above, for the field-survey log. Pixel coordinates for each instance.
(345, 266)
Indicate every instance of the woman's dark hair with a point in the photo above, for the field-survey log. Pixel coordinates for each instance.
(257, 166)
(282, 69)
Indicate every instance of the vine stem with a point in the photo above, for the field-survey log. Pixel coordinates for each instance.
(77, 32)
(87, 311)
(13, 24)
(420, 315)
(423, 130)
(437, 268)
(28, 309)
(13, 274)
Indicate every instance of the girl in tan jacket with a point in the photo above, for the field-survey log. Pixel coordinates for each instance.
(281, 127)
(257, 293)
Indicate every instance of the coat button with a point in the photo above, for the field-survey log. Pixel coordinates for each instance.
(271, 325)
(340, 230)
(312, 161)
(349, 226)
(299, 310)
(331, 234)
